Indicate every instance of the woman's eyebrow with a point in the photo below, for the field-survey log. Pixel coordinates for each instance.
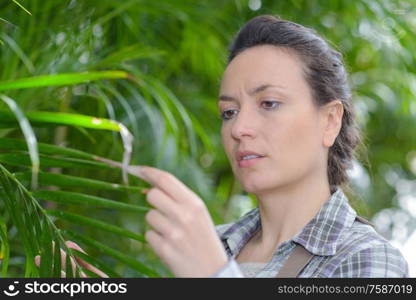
(262, 88)
(252, 92)
(226, 98)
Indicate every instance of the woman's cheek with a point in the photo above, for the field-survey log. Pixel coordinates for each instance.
(303, 146)
(226, 142)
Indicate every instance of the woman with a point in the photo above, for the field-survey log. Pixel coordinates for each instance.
(288, 130)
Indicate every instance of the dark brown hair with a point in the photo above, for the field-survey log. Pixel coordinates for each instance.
(324, 71)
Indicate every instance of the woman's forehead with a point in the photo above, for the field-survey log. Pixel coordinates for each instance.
(256, 89)
(262, 65)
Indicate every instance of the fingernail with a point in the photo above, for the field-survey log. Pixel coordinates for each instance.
(139, 172)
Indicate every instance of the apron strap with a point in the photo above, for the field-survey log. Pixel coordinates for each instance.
(299, 258)
(365, 221)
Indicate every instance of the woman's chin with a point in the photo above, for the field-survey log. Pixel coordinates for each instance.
(253, 188)
(257, 187)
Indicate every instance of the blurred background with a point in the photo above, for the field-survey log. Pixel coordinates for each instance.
(154, 67)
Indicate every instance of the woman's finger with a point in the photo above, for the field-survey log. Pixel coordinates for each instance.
(167, 182)
(159, 222)
(162, 202)
(158, 245)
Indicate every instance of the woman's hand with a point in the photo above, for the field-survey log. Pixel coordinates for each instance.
(81, 262)
(183, 234)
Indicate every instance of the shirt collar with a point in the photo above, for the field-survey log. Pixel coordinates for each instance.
(320, 236)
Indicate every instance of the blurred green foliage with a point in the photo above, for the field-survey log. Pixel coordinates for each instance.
(173, 53)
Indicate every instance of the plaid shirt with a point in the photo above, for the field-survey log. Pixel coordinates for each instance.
(342, 245)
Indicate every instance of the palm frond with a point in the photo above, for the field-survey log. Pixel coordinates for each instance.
(29, 135)
(4, 248)
(129, 261)
(60, 79)
(87, 200)
(35, 228)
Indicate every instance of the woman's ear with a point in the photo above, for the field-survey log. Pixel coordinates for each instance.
(332, 113)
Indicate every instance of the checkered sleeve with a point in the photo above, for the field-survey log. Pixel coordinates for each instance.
(379, 261)
(230, 269)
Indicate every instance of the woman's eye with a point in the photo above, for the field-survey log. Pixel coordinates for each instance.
(270, 104)
(228, 114)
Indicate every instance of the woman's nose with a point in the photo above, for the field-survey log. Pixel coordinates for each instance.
(244, 124)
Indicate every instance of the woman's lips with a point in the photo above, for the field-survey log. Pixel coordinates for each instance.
(245, 163)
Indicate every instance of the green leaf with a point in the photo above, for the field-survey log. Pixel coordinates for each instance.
(18, 159)
(60, 79)
(88, 200)
(89, 273)
(62, 180)
(96, 263)
(57, 259)
(68, 267)
(4, 249)
(40, 117)
(19, 144)
(22, 7)
(84, 121)
(29, 135)
(135, 51)
(35, 229)
(7, 22)
(46, 253)
(15, 201)
(81, 220)
(8, 125)
(19, 52)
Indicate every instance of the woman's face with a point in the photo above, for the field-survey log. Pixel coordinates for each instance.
(271, 131)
